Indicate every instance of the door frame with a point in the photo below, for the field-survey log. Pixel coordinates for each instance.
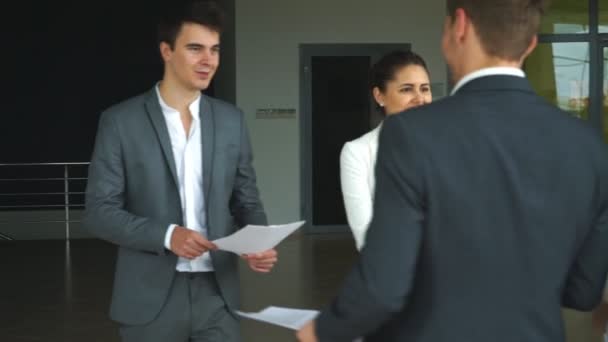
(307, 51)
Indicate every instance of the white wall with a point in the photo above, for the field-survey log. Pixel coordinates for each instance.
(268, 33)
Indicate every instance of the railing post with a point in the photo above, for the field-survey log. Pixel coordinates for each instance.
(66, 201)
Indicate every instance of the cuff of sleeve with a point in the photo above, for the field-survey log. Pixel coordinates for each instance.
(168, 236)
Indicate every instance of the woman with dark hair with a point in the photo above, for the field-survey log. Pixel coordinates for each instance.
(400, 81)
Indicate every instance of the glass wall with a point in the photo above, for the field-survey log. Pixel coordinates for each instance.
(566, 16)
(603, 16)
(568, 68)
(605, 90)
(560, 73)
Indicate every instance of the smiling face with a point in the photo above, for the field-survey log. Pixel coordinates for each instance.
(194, 58)
(409, 87)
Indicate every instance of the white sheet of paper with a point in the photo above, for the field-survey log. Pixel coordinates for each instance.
(255, 239)
(284, 317)
(288, 318)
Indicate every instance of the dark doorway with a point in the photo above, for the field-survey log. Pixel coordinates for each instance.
(336, 108)
(340, 112)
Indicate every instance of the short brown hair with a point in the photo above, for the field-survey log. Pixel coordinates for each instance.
(203, 12)
(505, 27)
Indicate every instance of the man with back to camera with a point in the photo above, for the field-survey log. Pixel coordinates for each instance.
(491, 205)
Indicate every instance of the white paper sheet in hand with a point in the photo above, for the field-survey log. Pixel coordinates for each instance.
(284, 317)
(288, 318)
(256, 239)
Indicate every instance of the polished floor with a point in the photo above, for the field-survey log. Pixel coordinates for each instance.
(56, 292)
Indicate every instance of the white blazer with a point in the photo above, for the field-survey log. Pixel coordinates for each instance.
(357, 164)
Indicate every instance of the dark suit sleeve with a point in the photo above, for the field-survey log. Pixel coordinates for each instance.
(245, 203)
(105, 215)
(381, 281)
(587, 277)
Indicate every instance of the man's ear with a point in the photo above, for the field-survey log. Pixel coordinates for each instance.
(460, 24)
(165, 51)
(530, 48)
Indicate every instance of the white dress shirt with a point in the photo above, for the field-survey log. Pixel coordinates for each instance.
(188, 154)
(357, 177)
(510, 71)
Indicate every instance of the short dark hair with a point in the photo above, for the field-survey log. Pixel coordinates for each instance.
(386, 67)
(203, 12)
(505, 27)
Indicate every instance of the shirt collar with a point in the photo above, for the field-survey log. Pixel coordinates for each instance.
(510, 71)
(167, 110)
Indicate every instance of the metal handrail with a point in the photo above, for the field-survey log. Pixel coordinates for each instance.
(31, 206)
(66, 205)
(41, 221)
(43, 164)
(38, 179)
(43, 193)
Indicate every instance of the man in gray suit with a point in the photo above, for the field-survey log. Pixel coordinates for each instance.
(170, 172)
(491, 205)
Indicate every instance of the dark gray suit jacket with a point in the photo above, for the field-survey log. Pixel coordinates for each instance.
(132, 197)
(490, 213)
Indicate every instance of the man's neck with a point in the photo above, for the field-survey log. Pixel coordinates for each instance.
(175, 96)
(484, 63)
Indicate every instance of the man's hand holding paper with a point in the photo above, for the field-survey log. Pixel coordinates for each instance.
(261, 262)
(255, 244)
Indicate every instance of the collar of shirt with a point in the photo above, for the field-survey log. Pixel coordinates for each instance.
(510, 71)
(167, 110)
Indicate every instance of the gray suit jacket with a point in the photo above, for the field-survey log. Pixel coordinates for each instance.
(132, 197)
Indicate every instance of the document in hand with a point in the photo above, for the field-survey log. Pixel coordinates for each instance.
(284, 317)
(288, 318)
(256, 239)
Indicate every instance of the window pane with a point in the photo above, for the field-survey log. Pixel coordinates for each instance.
(566, 16)
(560, 73)
(605, 96)
(603, 16)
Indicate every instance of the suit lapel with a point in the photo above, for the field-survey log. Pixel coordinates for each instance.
(160, 126)
(208, 140)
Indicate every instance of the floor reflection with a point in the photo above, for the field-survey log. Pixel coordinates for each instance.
(54, 292)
